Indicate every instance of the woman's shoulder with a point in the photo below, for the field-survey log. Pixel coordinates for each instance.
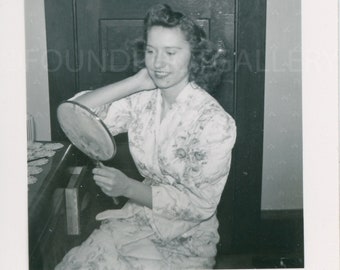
(210, 106)
(216, 124)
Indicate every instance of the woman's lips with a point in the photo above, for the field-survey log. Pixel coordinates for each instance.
(161, 74)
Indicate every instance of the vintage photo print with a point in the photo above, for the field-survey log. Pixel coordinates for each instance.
(280, 205)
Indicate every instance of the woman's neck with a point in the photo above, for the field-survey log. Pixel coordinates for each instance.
(170, 94)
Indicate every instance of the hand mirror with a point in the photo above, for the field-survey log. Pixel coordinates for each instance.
(86, 131)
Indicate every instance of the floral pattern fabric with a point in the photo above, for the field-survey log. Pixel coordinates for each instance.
(185, 157)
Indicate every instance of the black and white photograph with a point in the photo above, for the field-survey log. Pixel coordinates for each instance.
(172, 135)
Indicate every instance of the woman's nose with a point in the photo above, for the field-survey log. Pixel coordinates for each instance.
(159, 61)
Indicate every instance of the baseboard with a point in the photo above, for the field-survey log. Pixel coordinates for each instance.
(285, 214)
(281, 229)
(281, 236)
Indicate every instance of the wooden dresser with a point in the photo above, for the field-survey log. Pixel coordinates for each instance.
(63, 203)
(50, 222)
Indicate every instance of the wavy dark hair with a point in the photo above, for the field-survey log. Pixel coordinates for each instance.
(207, 61)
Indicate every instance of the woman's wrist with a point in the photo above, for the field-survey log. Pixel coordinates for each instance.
(132, 85)
(138, 192)
(128, 192)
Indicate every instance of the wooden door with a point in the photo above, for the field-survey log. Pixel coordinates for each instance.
(90, 38)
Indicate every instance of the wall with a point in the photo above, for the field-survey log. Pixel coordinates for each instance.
(282, 164)
(36, 68)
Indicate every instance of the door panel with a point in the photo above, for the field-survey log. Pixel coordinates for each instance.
(113, 55)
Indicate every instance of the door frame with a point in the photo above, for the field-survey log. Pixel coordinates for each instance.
(249, 87)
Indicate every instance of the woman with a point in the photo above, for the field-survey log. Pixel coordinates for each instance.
(181, 141)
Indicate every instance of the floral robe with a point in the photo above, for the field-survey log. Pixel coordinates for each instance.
(185, 157)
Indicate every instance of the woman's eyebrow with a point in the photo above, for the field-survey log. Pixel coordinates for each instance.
(173, 47)
(166, 47)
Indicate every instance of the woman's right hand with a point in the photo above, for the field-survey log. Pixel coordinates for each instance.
(144, 80)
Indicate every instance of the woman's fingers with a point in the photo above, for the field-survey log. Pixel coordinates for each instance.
(101, 172)
(104, 187)
(105, 178)
(105, 171)
(102, 180)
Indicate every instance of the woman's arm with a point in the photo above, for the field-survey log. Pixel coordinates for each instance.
(112, 92)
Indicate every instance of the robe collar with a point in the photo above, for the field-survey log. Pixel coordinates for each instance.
(186, 94)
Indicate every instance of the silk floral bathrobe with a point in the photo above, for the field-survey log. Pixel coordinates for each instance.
(185, 157)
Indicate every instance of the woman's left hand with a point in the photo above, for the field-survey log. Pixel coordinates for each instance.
(112, 182)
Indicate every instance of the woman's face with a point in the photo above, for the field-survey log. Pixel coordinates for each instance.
(167, 57)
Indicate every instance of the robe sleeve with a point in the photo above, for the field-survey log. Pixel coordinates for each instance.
(193, 198)
(119, 115)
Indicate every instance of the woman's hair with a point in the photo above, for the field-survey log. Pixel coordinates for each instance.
(207, 62)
